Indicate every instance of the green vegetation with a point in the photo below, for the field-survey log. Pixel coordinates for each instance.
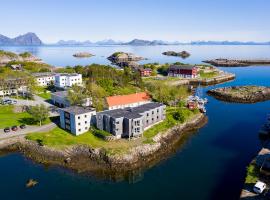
(9, 118)
(8, 54)
(43, 92)
(39, 113)
(77, 95)
(252, 174)
(169, 94)
(207, 75)
(25, 55)
(32, 66)
(174, 116)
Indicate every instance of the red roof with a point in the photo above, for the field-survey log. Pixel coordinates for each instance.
(127, 99)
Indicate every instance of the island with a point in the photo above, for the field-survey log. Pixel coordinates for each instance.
(222, 62)
(183, 54)
(82, 55)
(241, 94)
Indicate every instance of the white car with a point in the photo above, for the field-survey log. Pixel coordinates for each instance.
(259, 187)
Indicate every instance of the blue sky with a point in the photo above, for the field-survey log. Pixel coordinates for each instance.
(182, 20)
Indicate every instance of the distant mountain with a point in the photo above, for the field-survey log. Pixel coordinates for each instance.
(73, 42)
(228, 43)
(109, 42)
(28, 39)
(137, 42)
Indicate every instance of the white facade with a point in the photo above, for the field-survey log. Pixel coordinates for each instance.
(44, 79)
(67, 80)
(130, 105)
(77, 120)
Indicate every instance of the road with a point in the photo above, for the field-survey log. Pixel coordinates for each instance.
(27, 130)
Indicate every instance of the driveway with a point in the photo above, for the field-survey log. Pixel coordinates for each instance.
(27, 130)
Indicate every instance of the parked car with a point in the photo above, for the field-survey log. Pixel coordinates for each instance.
(22, 126)
(259, 187)
(14, 128)
(7, 129)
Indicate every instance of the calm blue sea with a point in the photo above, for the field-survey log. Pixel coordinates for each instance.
(211, 164)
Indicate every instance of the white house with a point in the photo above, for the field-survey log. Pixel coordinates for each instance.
(67, 80)
(44, 79)
(60, 99)
(77, 120)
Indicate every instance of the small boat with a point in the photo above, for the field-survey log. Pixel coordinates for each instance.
(31, 183)
(202, 110)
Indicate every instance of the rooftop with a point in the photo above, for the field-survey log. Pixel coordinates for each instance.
(42, 74)
(60, 93)
(182, 67)
(67, 74)
(132, 113)
(78, 110)
(127, 99)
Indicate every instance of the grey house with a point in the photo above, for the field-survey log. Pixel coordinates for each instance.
(130, 122)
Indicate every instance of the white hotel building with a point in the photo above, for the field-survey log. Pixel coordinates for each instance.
(67, 80)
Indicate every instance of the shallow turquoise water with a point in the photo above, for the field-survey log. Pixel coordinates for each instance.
(210, 166)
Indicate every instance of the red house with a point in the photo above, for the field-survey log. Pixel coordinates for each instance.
(145, 71)
(183, 71)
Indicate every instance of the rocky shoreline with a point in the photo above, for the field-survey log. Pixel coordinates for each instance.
(236, 63)
(241, 94)
(213, 81)
(97, 162)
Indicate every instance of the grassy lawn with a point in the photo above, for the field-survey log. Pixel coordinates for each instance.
(9, 118)
(59, 138)
(252, 174)
(45, 95)
(208, 75)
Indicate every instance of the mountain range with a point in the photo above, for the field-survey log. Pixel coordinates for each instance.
(28, 39)
(31, 39)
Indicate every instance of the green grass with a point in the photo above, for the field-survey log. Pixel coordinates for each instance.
(45, 95)
(208, 75)
(252, 174)
(9, 118)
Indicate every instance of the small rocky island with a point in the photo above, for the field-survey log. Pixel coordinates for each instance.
(241, 94)
(82, 55)
(123, 59)
(221, 62)
(182, 54)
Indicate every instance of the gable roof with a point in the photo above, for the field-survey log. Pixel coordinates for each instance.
(127, 99)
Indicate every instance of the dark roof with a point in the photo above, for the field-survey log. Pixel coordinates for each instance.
(60, 93)
(132, 113)
(77, 110)
(182, 67)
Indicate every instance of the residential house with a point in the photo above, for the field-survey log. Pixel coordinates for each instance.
(44, 79)
(77, 120)
(12, 86)
(60, 99)
(144, 72)
(130, 100)
(183, 71)
(67, 80)
(130, 122)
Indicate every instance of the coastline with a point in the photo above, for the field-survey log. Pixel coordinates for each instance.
(97, 162)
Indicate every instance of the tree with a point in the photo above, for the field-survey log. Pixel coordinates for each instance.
(39, 112)
(98, 94)
(77, 95)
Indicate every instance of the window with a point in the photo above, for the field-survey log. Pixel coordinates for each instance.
(147, 114)
(85, 122)
(79, 130)
(79, 124)
(152, 112)
(79, 117)
(157, 117)
(85, 116)
(86, 128)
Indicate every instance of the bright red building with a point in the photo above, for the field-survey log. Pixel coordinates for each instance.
(183, 71)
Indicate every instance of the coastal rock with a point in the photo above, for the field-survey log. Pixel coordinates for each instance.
(83, 55)
(241, 94)
(221, 62)
(182, 54)
(6, 57)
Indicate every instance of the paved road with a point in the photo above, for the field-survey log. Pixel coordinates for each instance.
(27, 130)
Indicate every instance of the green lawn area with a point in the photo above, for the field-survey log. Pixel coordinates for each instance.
(252, 174)
(9, 118)
(208, 74)
(45, 95)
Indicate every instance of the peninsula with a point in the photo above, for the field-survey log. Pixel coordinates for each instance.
(241, 94)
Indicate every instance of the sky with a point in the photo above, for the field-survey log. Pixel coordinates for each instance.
(170, 20)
